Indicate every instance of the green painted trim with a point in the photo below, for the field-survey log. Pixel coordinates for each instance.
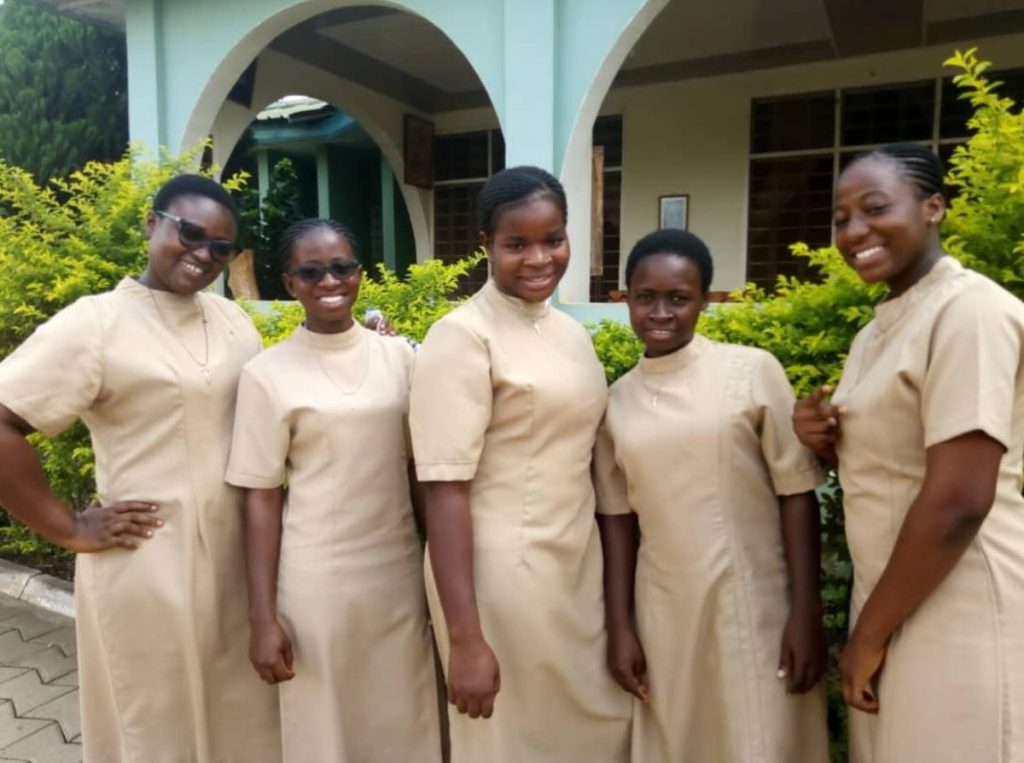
(323, 182)
(331, 127)
(594, 312)
(387, 215)
(263, 173)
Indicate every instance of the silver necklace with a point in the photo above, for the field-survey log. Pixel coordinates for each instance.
(348, 393)
(204, 364)
(654, 393)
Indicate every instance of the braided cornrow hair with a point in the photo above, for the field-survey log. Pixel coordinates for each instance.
(296, 231)
(514, 186)
(918, 163)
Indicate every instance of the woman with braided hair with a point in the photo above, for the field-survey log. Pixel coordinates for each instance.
(927, 429)
(335, 567)
(506, 399)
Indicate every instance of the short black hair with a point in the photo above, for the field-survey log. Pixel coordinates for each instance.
(917, 163)
(680, 243)
(195, 185)
(294, 232)
(514, 186)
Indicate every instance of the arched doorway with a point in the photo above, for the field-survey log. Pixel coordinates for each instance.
(408, 90)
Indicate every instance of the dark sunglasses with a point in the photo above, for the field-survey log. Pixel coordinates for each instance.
(193, 237)
(314, 272)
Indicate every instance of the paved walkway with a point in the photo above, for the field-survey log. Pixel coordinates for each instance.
(39, 721)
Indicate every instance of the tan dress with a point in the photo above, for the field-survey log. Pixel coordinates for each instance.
(162, 630)
(326, 413)
(699, 444)
(509, 394)
(943, 359)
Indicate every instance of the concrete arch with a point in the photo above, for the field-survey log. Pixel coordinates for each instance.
(380, 117)
(255, 32)
(189, 79)
(575, 170)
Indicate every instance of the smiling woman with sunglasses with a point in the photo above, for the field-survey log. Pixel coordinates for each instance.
(325, 412)
(152, 368)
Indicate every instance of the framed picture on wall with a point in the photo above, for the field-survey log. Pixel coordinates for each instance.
(419, 151)
(674, 211)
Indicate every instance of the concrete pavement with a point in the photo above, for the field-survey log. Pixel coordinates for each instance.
(39, 718)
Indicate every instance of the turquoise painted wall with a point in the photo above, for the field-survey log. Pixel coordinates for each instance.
(537, 59)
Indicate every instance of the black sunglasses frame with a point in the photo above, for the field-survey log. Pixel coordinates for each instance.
(221, 250)
(314, 272)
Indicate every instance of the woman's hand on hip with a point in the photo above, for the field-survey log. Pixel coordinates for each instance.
(124, 524)
(270, 651)
(474, 677)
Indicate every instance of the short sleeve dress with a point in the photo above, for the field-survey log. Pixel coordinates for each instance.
(699, 444)
(943, 359)
(162, 630)
(327, 414)
(509, 394)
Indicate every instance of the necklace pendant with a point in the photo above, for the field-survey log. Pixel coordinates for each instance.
(205, 371)
(654, 400)
(536, 327)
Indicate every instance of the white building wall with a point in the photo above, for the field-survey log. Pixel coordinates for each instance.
(693, 137)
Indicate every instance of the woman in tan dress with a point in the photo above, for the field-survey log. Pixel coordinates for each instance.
(335, 567)
(927, 427)
(506, 399)
(152, 368)
(708, 517)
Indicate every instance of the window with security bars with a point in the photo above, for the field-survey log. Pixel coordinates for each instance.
(462, 164)
(799, 144)
(608, 135)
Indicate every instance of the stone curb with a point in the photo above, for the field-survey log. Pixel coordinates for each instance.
(33, 587)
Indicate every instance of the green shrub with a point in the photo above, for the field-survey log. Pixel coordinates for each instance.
(264, 220)
(985, 224)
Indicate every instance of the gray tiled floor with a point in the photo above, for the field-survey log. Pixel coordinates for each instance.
(38, 686)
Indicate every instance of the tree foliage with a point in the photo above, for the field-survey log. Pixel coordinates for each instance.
(263, 222)
(63, 92)
(985, 224)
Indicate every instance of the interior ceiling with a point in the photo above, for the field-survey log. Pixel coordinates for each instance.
(409, 59)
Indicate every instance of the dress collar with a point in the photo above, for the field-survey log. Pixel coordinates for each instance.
(891, 311)
(684, 356)
(532, 310)
(342, 340)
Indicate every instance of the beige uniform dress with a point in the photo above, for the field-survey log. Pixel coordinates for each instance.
(699, 443)
(162, 630)
(508, 394)
(326, 413)
(944, 358)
